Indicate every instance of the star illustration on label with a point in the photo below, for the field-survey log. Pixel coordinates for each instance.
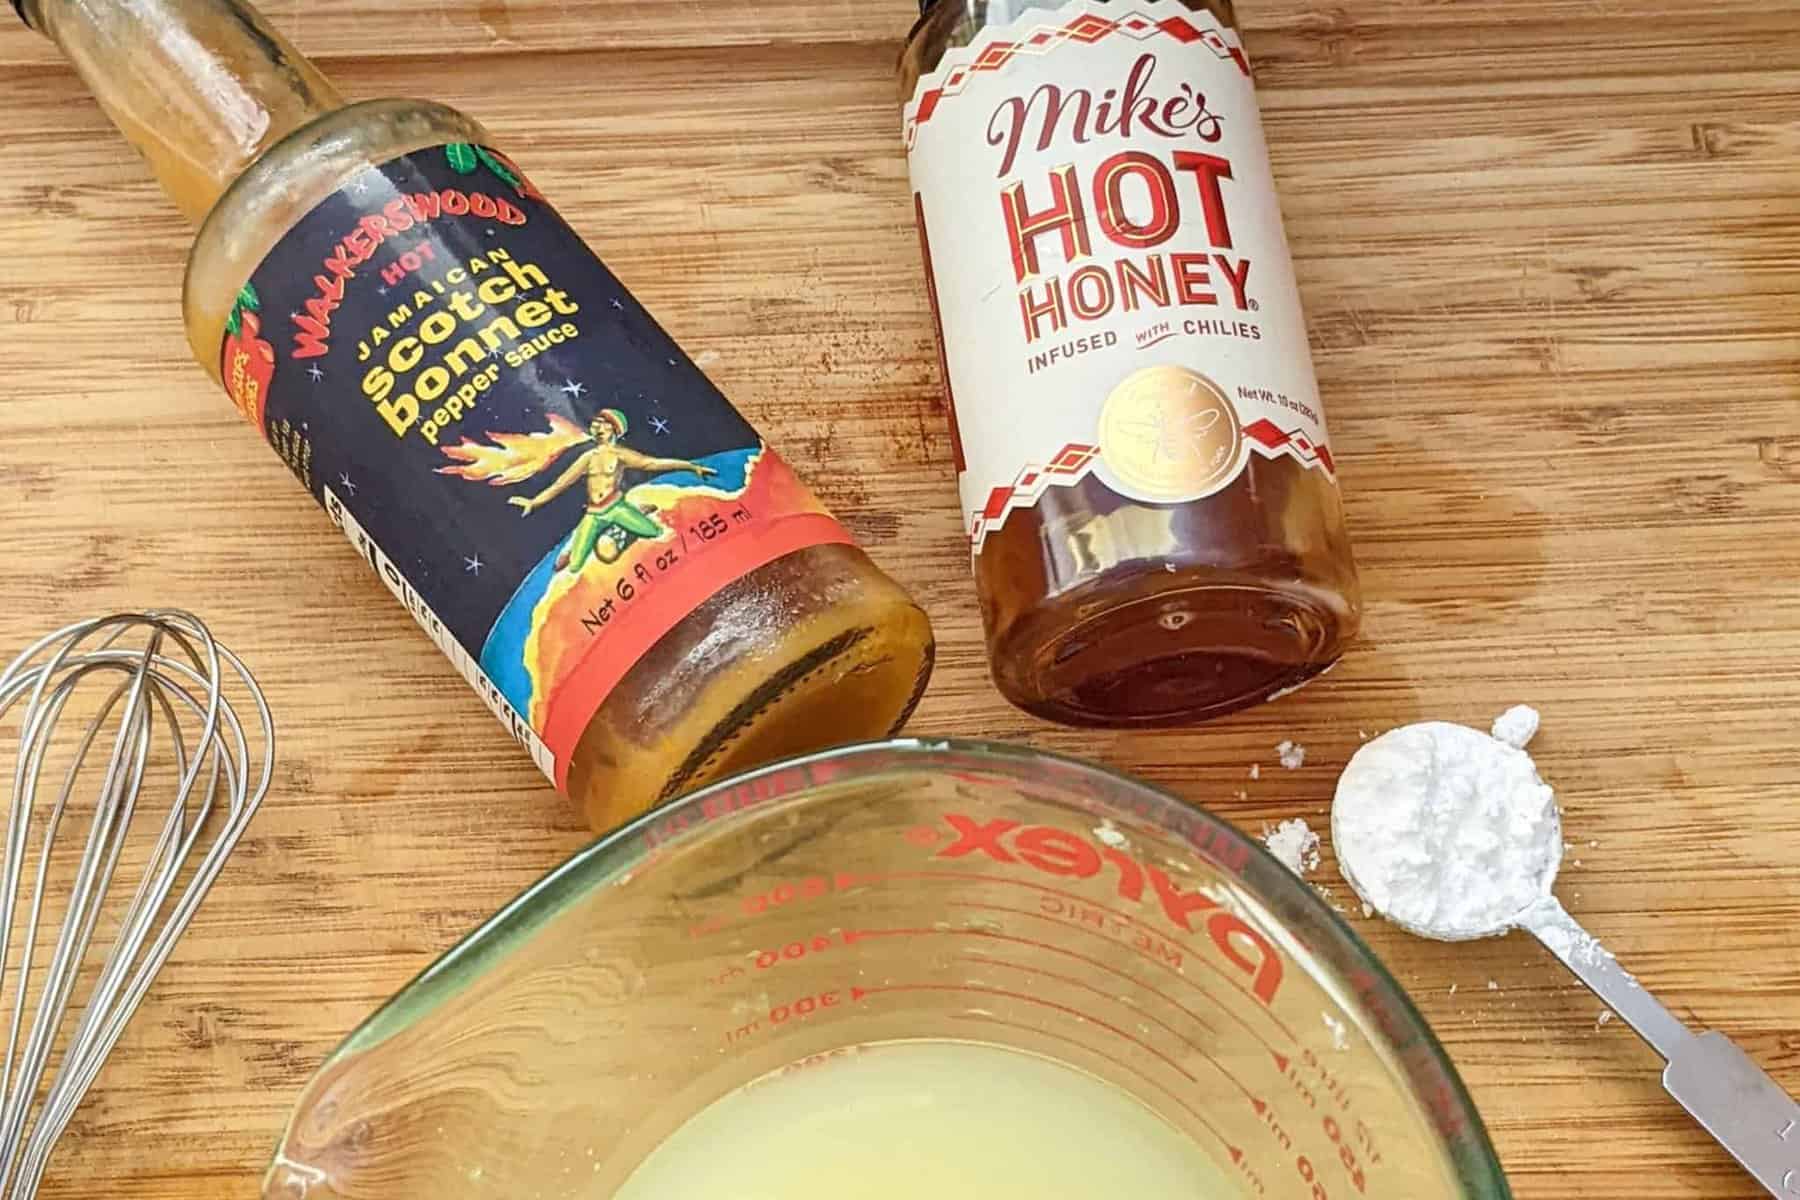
(359, 185)
(473, 565)
(658, 424)
(345, 482)
(382, 290)
(315, 372)
(618, 304)
(574, 388)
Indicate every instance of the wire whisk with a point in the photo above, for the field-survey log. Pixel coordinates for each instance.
(160, 691)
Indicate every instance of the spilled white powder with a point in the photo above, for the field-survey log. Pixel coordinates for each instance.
(1256, 770)
(1293, 755)
(1517, 726)
(1295, 845)
(1553, 926)
(1446, 831)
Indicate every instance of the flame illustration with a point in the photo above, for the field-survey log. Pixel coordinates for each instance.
(514, 457)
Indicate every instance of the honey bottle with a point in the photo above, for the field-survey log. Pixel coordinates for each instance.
(634, 581)
(1147, 482)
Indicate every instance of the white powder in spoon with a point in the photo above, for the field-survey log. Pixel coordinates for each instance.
(1517, 725)
(1446, 831)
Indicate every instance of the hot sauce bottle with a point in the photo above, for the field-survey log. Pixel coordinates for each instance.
(631, 577)
(1147, 481)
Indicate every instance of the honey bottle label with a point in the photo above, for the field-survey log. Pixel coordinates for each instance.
(522, 455)
(1103, 243)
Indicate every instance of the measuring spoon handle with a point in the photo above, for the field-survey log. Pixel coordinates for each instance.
(1737, 1102)
(1708, 1074)
(1583, 954)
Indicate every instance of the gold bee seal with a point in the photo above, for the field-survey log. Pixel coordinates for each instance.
(1170, 433)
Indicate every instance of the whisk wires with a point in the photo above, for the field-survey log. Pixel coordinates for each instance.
(166, 684)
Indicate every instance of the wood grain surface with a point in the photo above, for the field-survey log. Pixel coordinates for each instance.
(1550, 250)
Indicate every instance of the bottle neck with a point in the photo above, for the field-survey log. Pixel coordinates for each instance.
(200, 87)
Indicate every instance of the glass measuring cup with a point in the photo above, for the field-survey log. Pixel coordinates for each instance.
(901, 891)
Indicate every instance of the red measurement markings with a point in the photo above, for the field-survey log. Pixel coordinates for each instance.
(1221, 924)
(1388, 1010)
(1309, 1174)
(804, 1007)
(1062, 923)
(1048, 947)
(1067, 1040)
(1285, 1064)
(1347, 1155)
(712, 924)
(1277, 1130)
(808, 1063)
(1345, 1140)
(725, 977)
(1329, 1082)
(1084, 914)
(1123, 918)
(780, 1014)
(1365, 1138)
(1198, 1051)
(800, 948)
(1252, 1180)
(810, 888)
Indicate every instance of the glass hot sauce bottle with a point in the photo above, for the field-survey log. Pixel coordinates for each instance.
(631, 578)
(1146, 476)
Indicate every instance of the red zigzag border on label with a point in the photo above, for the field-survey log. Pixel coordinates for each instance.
(1070, 466)
(1086, 29)
(1075, 462)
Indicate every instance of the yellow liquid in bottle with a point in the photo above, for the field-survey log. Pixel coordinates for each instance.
(814, 649)
(937, 1119)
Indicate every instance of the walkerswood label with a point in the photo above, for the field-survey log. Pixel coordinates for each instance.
(526, 460)
(1104, 247)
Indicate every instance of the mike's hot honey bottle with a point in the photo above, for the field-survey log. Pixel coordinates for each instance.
(1146, 476)
(629, 575)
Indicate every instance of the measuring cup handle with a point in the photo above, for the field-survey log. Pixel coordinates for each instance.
(1739, 1104)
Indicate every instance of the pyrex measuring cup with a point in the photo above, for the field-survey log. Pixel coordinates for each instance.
(912, 890)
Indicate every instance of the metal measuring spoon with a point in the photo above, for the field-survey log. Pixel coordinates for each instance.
(1708, 1074)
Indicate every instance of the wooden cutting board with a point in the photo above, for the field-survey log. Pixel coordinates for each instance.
(1551, 254)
